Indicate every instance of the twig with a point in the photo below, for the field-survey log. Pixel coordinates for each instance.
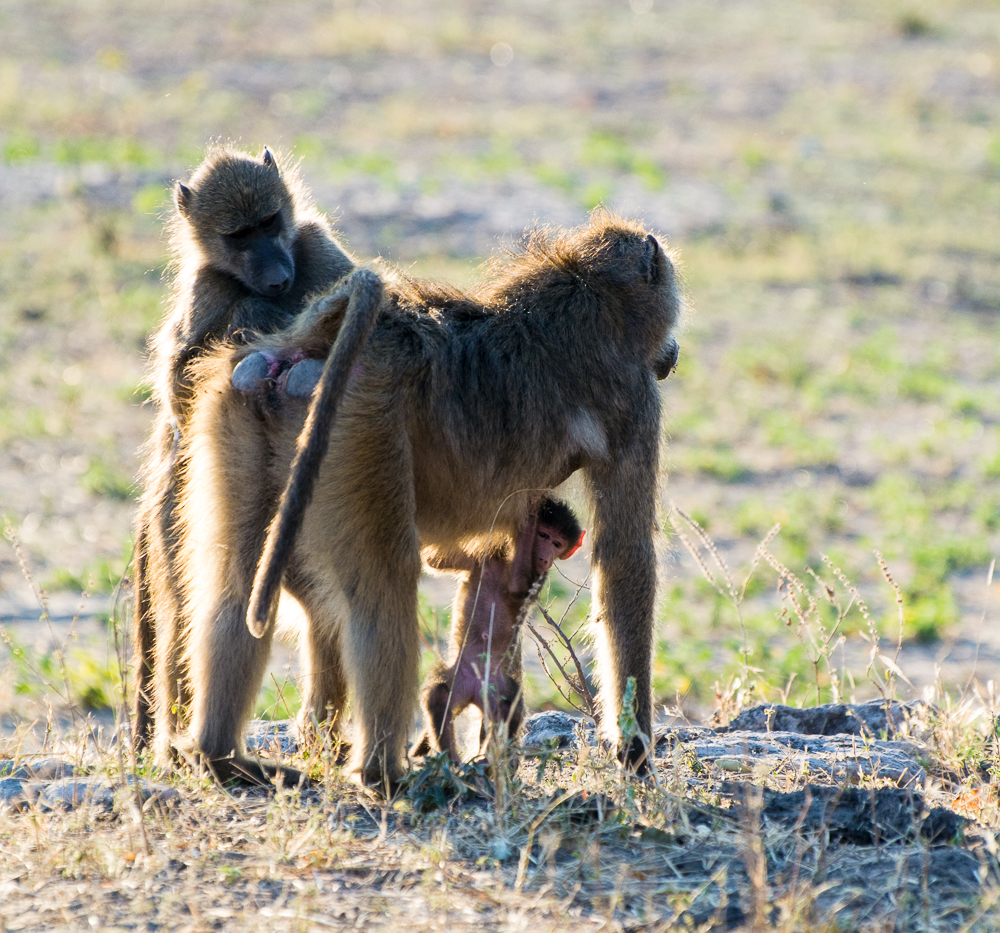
(584, 688)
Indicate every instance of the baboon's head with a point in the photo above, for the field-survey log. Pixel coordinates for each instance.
(637, 279)
(240, 215)
(612, 276)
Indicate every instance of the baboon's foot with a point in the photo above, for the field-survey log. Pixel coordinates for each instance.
(294, 376)
(423, 746)
(635, 759)
(381, 776)
(258, 772)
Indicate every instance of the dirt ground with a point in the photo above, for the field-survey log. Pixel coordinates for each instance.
(829, 174)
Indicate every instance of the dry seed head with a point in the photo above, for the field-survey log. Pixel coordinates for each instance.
(693, 551)
(709, 545)
(850, 587)
(888, 577)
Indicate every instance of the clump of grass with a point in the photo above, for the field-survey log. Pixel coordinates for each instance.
(815, 606)
(100, 479)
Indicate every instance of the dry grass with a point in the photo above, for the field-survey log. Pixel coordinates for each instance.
(564, 841)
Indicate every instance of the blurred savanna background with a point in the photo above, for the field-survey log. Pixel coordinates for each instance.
(828, 173)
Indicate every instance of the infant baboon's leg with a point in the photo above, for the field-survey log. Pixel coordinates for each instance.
(440, 710)
(506, 713)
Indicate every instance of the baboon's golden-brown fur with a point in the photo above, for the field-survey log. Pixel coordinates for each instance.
(460, 406)
(248, 250)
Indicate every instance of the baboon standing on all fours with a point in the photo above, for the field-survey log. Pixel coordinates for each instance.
(493, 597)
(459, 406)
(249, 249)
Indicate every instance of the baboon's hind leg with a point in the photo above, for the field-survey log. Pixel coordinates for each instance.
(324, 682)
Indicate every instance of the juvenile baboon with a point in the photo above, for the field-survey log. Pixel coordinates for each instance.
(460, 404)
(249, 249)
(493, 596)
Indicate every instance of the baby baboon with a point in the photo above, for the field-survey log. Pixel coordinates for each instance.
(459, 405)
(493, 597)
(249, 249)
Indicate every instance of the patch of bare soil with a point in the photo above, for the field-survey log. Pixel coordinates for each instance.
(730, 834)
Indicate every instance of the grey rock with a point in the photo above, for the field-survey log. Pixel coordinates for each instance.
(158, 795)
(272, 737)
(874, 718)
(548, 731)
(853, 815)
(44, 769)
(12, 794)
(97, 792)
(842, 757)
(77, 792)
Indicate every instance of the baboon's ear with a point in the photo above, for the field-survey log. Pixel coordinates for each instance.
(182, 197)
(576, 547)
(651, 260)
(269, 159)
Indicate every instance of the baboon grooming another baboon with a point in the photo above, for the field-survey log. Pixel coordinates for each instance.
(494, 595)
(460, 405)
(249, 249)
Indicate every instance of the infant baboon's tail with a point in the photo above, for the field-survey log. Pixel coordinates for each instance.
(363, 294)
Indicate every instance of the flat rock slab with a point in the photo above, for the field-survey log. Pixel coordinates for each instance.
(839, 757)
(874, 719)
(74, 793)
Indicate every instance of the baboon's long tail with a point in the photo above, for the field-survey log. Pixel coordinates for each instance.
(363, 292)
(143, 637)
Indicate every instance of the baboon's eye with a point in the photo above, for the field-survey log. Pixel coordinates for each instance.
(238, 236)
(272, 224)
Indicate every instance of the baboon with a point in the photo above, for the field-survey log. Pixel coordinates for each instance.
(460, 405)
(493, 597)
(249, 249)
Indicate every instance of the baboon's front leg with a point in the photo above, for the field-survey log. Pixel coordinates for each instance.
(624, 561)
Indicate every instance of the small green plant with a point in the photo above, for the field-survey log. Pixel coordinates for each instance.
(100, 479)
(628, 725)
(441, 782)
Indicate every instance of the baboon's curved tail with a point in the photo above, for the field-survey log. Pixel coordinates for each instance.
(143, 637)
(363, 294)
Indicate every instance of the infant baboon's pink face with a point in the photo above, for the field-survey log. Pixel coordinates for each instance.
(550, 545)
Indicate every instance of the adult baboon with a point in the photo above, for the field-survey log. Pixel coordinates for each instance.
(249, 249)
(460, 406)
(493, 597)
